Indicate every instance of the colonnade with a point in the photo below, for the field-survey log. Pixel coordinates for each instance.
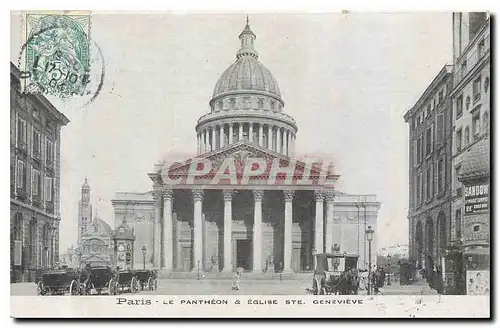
(165, 238)
(273, 137)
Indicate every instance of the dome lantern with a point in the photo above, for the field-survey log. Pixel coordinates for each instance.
(247, 37)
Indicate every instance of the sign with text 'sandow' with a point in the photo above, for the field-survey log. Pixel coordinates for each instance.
(476, 198)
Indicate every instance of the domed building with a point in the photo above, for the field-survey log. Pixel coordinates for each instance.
(94, 243)
(244, 200)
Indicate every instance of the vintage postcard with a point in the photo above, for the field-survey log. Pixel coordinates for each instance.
(179, 165)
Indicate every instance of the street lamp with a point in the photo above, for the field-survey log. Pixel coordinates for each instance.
(144, 250)
(388, 269)
(369, 237)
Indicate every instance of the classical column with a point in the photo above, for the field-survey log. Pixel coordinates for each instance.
(228, 217)
(318, 231)
(269, 137)
(292, 148)
(240, 132)
(197, 143)
(257, 230)
(198, 233)
(250, 132)
(287, 250)
(261, 137)
(213, 143)
(221, 136)
(157, 229)
(230, 133)
(278, 139)
(168, 244)
(206, 143)
(329, 220)
(288, 142)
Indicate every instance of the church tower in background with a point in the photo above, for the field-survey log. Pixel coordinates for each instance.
(84, 211)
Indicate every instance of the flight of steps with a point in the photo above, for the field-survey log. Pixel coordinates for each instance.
(163, 274)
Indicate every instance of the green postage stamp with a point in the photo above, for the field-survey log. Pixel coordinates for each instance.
(55, 56)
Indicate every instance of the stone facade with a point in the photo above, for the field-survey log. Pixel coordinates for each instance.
(429, 212)
(34, 181)
(255, 224)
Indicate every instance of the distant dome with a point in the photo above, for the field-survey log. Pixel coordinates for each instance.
(247, 74)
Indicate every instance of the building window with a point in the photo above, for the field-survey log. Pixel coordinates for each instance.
(458, 186)
(37, 143)
(246, 102)
(480, 48)
(415, 153)
(272, 105)
(476, 128)
(458, 224)
(22, 133)
(486, 122)
(459, 106)
(48, 188)
(428, 186)
(261, 104)
(21, 174)
(463, 68)
(419, 149)
(232, 101)
(458, 139)
(476, 89)
(439, 128)
(35, 184)
(220, 104)
(419, 189)
(441, 175)
(466, 136)
(429, 140)
(441, 96)
(476, 228)
(49, 152)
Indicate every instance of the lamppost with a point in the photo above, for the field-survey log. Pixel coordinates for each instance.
(369, 237)
(144, 250)
(388, 269)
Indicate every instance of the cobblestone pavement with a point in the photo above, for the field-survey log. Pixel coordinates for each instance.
(254, 287)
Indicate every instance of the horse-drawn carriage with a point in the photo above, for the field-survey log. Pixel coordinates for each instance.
(58, 282)
(126, 280)
(329, 279)
(147, 279)
(101, 279)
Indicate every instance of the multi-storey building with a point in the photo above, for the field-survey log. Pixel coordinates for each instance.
(471, 118)
(429, 208)
(35, 127)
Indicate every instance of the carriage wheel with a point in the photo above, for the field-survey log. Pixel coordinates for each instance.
(73, 288)
(133, 285)
(155, 284)
(40, 290)
(150, 283)
(117, 288)
(111, 287)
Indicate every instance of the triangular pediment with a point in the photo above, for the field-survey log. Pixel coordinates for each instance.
(241, 158)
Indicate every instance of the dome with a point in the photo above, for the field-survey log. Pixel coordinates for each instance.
(247, 74)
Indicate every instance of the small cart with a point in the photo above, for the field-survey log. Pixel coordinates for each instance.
(102, 279)
(147, 279)
(327, 279)
(126, 280)
(59, 282)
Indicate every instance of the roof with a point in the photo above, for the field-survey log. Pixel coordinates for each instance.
(40, 99)
(476, 163)
(247, 74)
(444, 72)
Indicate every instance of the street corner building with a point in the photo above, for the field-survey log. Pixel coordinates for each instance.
(272, 215)
(35, 126)
(449, 164)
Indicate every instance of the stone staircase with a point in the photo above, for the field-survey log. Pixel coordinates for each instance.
(163, 274)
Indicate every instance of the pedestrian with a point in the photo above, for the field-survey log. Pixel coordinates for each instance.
(236, 279)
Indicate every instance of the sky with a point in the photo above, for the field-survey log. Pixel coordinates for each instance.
(346, 79)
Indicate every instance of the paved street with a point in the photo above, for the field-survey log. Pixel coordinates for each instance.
(254, 287)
